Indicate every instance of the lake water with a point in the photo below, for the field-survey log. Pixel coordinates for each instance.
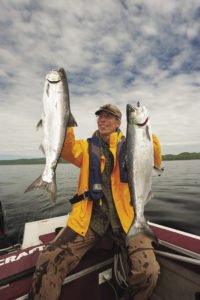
(176, 200)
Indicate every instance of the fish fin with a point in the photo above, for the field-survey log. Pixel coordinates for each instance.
(71, 121)
(39, 124)
(50, 187)
(41, 147)
(47, 89)
(142, 227)
(149, 197)
(158, 171)
(148, 133)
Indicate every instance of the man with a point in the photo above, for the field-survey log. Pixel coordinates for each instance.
(101, 206)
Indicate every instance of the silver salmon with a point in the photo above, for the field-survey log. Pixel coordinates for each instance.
(55, 119)
(139, 163)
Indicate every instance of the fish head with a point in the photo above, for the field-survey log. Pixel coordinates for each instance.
(56, 75)
(137, 115)
(56, 82)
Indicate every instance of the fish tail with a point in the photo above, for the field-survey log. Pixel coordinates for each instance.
(150, 233)
(38, 183)
(50, 187)
(144, 228)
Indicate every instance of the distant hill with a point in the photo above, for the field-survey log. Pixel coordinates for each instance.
(24, 161)
(182, 156)
(38, 161)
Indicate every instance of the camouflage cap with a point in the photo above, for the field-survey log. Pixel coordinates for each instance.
(112, 109)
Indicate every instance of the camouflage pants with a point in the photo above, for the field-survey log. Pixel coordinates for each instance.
(144, 268)
(64, 253)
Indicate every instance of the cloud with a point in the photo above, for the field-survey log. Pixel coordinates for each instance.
(116, 51)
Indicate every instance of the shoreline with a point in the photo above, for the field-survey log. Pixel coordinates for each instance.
(41, 161)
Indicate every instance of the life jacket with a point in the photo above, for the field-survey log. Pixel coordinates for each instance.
(95, 178)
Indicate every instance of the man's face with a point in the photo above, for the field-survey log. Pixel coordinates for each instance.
(107, 123)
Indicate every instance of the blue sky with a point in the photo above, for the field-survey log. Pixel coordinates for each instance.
(113, 52)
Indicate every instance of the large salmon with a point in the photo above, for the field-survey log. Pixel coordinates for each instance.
(55, 120)
(139, 162)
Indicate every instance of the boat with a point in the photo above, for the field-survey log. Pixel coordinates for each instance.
(100, 274)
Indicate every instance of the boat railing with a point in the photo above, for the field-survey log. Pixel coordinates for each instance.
(178, 257)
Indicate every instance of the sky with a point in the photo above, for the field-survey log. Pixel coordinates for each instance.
(113, 51)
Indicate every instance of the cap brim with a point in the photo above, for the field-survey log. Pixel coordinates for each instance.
(108, 111)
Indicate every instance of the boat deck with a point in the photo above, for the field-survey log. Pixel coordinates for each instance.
(177, 281)
(178, 254)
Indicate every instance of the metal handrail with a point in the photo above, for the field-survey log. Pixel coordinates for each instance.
(178, 257)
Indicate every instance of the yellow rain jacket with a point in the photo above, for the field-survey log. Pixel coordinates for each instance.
(76, 152)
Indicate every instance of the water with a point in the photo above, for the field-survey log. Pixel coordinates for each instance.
(20, 207)
(176, 200)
